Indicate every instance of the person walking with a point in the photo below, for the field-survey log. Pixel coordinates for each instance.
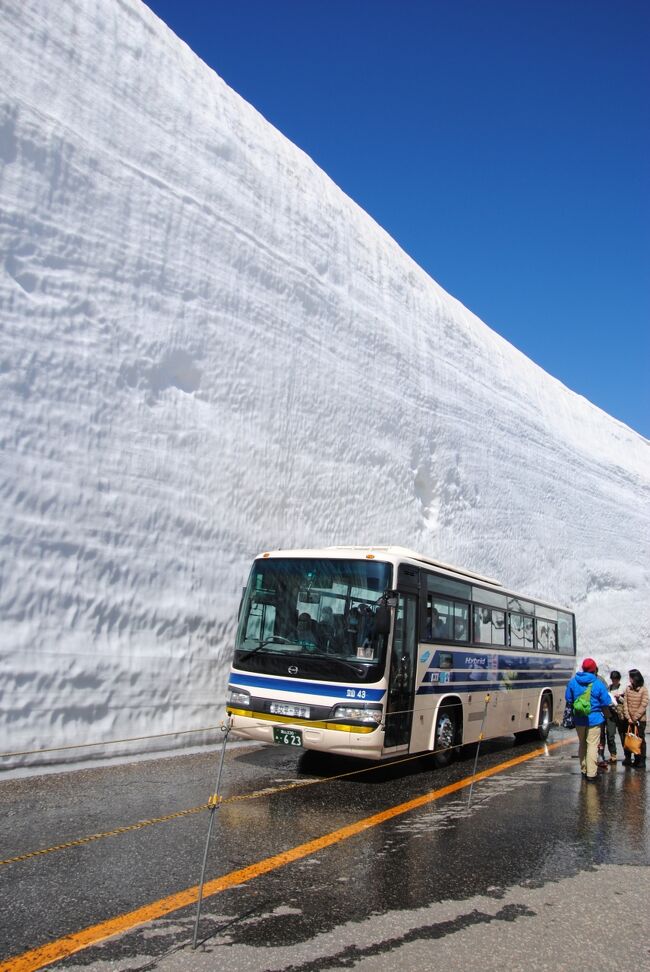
(589, 699)
(617, 692)
(635, 705)
(602, 762)
(613, 721)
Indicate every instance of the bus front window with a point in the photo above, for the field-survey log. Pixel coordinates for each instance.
(314, 608)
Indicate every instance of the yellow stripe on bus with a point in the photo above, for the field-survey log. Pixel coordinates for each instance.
(296, 721)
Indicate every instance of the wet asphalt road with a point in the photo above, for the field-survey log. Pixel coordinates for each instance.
(539, 859)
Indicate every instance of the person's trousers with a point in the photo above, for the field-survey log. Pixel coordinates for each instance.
(611, 728)
(642, 727)
(622, 729)
(588, 739)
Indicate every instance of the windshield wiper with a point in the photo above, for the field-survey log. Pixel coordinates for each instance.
(275, 639)
(339, 661)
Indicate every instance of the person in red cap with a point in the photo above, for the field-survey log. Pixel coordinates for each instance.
(590, 700)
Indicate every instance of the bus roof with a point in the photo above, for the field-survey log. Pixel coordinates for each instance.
(390, 550)
(404, 553)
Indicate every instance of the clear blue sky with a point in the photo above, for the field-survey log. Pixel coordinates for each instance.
(505, 145)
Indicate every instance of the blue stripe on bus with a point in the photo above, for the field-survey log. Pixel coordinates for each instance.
(479, 659)
(310, 688)
(474, 671)
(445, 688)
(503, 675)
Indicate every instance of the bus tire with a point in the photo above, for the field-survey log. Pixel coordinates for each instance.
(545, 718)
(543, 723)
(445, 735)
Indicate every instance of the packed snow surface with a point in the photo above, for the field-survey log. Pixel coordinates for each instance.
(208, 350)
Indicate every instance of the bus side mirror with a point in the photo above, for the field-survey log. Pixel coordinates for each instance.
(382, 620)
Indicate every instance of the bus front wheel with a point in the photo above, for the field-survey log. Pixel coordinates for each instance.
(444, 738)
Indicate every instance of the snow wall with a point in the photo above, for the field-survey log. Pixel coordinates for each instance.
(208, 350)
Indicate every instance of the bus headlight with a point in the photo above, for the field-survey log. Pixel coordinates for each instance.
(357, 714)
(238, 697)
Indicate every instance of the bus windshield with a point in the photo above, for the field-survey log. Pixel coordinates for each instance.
(320, 608)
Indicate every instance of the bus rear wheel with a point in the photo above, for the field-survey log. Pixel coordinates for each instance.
(444, 737)
(543, 723)
(545, 718)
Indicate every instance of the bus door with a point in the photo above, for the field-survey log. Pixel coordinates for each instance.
(401, 686)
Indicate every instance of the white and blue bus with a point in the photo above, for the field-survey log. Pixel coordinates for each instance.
(376, 652)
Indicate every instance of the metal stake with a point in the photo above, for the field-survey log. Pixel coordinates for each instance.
(214, 803)
(478, 746)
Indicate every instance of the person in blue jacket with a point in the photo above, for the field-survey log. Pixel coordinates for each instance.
(588, 726)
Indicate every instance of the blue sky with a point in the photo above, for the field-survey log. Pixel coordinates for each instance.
(505, 145)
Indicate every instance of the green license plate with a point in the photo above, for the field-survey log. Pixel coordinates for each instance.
(287, 737)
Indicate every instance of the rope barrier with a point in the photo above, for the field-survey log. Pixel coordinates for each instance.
(453, 688)
(216, 800)
(255, 795)
(240, 798)
(107, 742)
(107, 833)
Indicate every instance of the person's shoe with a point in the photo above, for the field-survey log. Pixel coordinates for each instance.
(639, 764)
(613, 758)
(627, 761)
(591, 779)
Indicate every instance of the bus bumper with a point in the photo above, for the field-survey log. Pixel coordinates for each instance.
(363, 742)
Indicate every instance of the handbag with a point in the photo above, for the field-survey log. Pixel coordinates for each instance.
(633, 740)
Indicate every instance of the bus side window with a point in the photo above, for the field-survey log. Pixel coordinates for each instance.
(515, 630)
(498, 627)
(528, 632)
(546, 635)
(489, 626)
(541, 643)
(565, 634)
(439, 618)
(461, 622)
(482, 625)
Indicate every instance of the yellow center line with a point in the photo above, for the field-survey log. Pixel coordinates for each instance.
(44, 955)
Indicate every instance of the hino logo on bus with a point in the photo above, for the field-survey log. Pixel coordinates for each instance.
(292, 670)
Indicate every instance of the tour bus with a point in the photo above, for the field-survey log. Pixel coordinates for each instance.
(376, 652)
